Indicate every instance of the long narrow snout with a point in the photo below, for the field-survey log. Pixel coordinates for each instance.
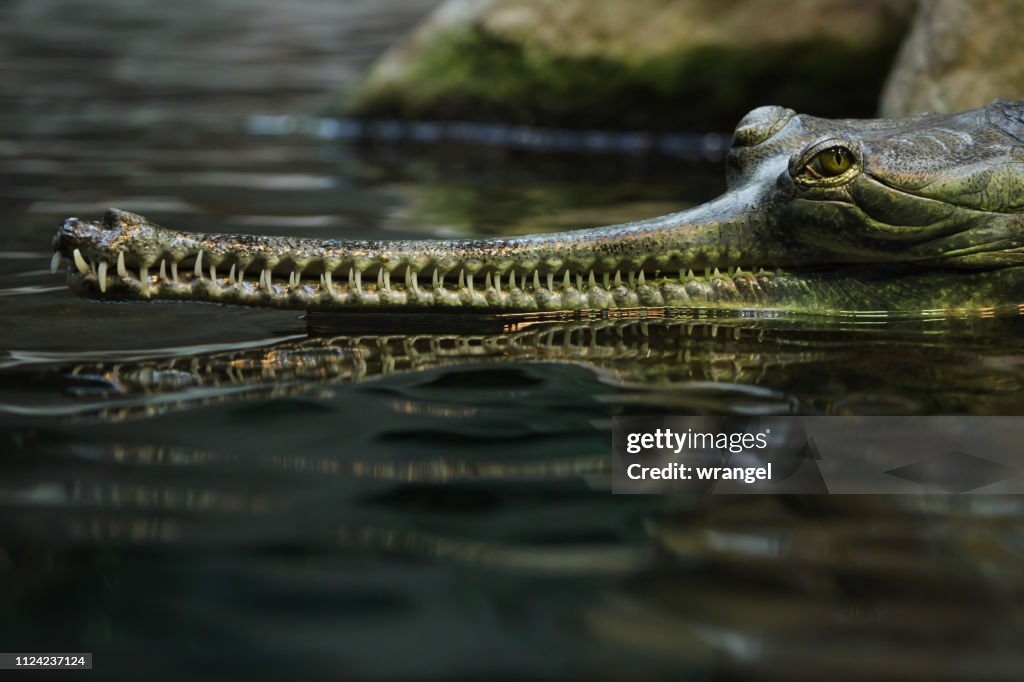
(714, 252)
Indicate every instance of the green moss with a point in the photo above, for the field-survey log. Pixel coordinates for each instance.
(470, 75)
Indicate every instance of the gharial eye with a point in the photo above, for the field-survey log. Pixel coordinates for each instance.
(832, 162)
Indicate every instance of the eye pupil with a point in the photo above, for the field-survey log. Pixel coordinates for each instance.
(835, 161)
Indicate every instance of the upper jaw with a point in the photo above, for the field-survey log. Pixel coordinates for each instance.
(126, 256)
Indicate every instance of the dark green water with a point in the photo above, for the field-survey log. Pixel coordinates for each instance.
(189, 490)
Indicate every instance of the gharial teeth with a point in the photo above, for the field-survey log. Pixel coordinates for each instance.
(80, 263)
(266, 279)
(101, 275)
(328, 284)
(122, 271)
(144, 278)
(163, 270)
(231, 273)
(199, 265)
(55, 261)
(536, 280)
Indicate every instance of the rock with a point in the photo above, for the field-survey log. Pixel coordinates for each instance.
(654, 64)
(958, 55)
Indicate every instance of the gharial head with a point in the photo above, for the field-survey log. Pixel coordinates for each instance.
(933, 189)
(834, 202)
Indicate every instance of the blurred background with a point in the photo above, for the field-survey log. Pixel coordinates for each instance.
(190, 491)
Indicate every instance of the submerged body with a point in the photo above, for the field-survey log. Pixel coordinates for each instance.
(820, 216)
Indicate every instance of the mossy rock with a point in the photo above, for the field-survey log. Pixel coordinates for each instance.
(650, 64)
(958, 55)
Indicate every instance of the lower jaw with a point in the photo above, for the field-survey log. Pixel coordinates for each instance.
(844, 290)
(736, 290)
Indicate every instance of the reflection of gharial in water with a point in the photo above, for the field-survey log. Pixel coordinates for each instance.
(723, 364)
(821, 216)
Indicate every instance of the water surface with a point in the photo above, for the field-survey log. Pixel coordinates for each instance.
(185, 488)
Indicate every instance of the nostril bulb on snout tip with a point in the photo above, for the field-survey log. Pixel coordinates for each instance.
(115, 218)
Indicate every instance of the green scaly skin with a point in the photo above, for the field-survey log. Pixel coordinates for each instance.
(927, 217)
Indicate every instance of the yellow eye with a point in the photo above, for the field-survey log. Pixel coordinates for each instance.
(834, 161)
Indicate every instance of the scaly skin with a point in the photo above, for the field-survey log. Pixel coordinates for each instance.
(923, 214)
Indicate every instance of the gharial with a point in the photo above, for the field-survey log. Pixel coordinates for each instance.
(819, 216)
